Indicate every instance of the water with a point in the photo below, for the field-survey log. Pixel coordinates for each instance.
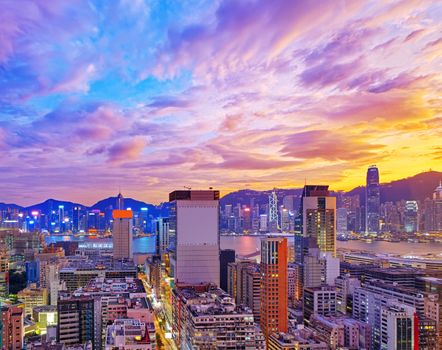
(247, 245)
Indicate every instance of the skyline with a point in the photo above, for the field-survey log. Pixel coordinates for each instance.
(165, 195)
(150, 97)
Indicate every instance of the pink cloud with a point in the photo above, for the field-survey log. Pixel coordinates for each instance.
(126, 150)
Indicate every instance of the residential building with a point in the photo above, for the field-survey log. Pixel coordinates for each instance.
(319, 301)
(130, 334)
(205, 317)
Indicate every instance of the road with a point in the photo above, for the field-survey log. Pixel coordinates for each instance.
(159, 319)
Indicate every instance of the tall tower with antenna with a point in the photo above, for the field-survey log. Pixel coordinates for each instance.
(120, 201)
(273, 211)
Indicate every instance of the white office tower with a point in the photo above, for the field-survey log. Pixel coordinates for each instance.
(194, 220)
(398, 330)
(122, 234)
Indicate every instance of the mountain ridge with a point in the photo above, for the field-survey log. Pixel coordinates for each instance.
(416, 187)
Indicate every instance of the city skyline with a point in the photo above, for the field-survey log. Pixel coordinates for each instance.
(149, 97)
(164, 198)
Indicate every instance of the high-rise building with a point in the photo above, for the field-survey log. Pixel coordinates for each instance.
(437, 208)
(341, 221)
(263, 218)
(161, 226)
(319, 301)
(194, 236)
(4, 273)
(122, 234)
(226, 256)
(76, 320)
(320, 268)
(11, 328)
(273, 212)
(274, 285)
(372, 200)
(120, 202)
(398, 329)
(76, 218)
(33, 296)
(318, 222)
(411, 217)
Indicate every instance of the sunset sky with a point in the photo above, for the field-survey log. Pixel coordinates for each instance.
(151, 96)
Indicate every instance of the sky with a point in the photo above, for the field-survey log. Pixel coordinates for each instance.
(150, 96)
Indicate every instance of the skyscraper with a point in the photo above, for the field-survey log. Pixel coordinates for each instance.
(318, 222)
(122, 234)
(372, 200)
(226, 256)
(411, 217)
(76, 320)
(120, 201)
(274, 285)
(273, 212)
(161, 227)
(194, 236)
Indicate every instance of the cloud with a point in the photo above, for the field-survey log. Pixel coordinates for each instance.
(126, 150)
(325, 74)
(231, 122)
(328, 145)
(222, 94)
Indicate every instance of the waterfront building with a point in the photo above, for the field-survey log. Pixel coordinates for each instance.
(372, 200)
(273, 212)
(318, 222)
(122, 234)
(194, 223)
(411, 217)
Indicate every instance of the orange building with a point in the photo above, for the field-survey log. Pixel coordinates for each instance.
(274, 285)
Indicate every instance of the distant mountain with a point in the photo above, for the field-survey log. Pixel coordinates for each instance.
(4, 206)
(417, 187)
(135, 205)
(52, 204)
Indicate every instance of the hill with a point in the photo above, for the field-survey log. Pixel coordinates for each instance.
(417, 187)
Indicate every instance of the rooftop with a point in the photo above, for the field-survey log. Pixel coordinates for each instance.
(213, 301)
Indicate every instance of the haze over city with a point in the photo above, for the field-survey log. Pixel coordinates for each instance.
(148, 97)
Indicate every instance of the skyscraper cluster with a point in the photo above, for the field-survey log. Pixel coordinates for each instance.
(301, 291)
